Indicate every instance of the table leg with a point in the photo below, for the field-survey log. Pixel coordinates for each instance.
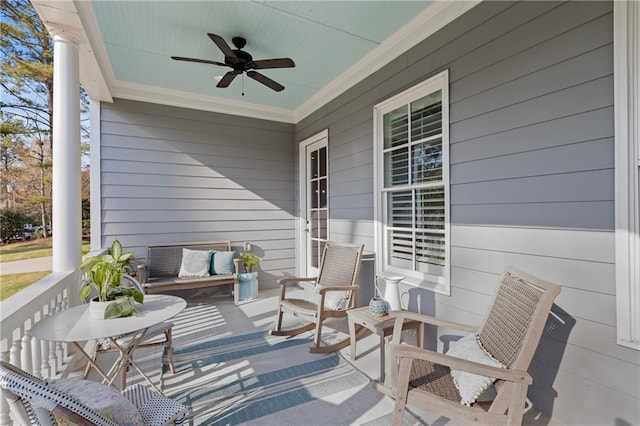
(382, 365)
(352, 338)
(90, 360)
(126, 358)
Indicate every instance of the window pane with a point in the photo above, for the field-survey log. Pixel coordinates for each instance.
(400, 245)
(430, 209)
(314, 223)
(314, 164)
(323, 192)
(400, 209)
(396, 125)
(426, 116)
(322, 224)
(315, 254)
(426, 161)
(430, 253)
(396, 167)
(314, 194)
(323, 162)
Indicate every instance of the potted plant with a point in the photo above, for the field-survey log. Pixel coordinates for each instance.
(248, 280)
(104, 277)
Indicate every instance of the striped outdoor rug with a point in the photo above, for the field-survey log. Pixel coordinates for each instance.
(267, 380)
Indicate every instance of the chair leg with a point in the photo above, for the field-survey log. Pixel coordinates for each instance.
(401, 390)
(279, 320)
(124, 373)
(318, 335)
(169, 347)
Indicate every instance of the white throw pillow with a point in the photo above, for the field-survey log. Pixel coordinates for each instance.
(335, 300)
(470, 385)
(195, 263)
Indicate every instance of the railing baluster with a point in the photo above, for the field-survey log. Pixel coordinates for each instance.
(36, 352)
(27, 362)
(5, 419)
(16, 349)
(58, 345)
(18, 346)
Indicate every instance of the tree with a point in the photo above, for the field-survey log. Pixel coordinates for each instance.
(11, 223)
(12, 153)
(26, 79)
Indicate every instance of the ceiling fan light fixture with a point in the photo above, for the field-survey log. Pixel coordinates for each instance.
(241, 62)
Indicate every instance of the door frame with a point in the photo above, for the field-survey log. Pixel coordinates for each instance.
(301, 242)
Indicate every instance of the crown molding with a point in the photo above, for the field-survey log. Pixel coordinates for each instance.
(139, 92)
(433, 18)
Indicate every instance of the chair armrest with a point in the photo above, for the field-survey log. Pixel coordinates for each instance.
(322, 290)
(289, 280)
(412, 352)
(236, 266)
(141, 273)
(426, 319)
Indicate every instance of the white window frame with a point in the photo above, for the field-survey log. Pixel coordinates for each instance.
(439, 82)
(627, 164)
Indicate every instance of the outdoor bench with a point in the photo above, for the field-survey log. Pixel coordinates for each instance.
(160, 273)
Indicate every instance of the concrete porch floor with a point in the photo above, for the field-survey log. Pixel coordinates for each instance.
(207, 317)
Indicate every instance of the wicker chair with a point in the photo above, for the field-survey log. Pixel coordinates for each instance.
(35, 402)
(157, 335)
(336, 289)
(510, 333)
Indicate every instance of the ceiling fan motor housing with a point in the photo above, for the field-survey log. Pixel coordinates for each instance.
(239, 64)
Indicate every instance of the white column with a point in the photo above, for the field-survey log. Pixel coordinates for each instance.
(67, 216)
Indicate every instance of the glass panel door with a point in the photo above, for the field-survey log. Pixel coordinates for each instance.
(317, 194)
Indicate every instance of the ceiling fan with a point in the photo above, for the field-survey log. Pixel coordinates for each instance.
(242, 62)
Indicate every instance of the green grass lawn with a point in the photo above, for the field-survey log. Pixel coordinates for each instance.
(25, 250)
(30, 250)
(13, 283)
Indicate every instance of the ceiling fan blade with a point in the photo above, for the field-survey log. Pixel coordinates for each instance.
(222, 45)
(201, 61)
(226, 79)
(265, 80)
(272, 63)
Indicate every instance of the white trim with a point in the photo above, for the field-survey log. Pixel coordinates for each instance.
(438, 15)
(63, 17)
(437, 82)
(302, 199)
(627, 161)
(95, 159)
(139, 92)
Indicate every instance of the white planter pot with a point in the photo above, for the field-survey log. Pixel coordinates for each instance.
(96, 309)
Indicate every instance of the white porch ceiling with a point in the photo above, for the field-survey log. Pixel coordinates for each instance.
(334, 44)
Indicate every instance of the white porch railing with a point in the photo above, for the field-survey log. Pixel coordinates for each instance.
(18, 313)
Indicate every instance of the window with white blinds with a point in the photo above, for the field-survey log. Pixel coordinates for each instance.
(412, 189)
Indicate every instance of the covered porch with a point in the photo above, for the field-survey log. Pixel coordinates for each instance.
(543, 174)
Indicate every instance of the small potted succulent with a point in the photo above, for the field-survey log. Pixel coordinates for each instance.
(105, 274)
(248, 280)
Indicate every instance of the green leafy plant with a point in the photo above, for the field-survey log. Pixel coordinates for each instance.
(249, 260)
(105, 275)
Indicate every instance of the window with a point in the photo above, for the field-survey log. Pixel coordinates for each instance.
(411, 138)
(627, 170)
